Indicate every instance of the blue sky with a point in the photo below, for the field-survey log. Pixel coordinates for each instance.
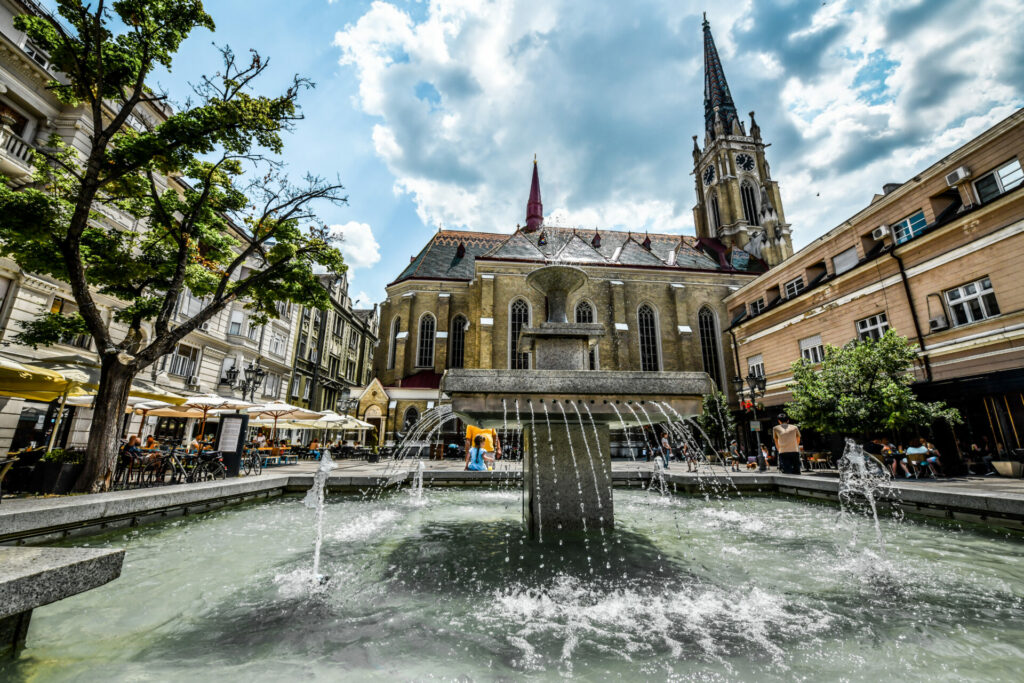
(430, 112)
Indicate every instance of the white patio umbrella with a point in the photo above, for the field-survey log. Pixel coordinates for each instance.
(276, 410)
(200, 407)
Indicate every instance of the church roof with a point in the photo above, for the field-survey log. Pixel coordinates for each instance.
(716, 90)
(440, 260)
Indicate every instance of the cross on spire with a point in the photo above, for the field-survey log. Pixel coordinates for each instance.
(717, 98)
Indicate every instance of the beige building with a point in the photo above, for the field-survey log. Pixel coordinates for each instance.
(935, 258)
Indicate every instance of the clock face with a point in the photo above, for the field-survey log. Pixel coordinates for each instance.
(745, 161)
(709, 175)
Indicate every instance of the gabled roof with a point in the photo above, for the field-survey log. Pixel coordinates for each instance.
(634, 254)
(439, 259)
(518, 246)
(580, 251)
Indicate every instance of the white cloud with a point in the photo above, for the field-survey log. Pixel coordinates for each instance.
(851, 93)
(358, 244)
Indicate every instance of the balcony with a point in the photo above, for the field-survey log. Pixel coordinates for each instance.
(15, 156)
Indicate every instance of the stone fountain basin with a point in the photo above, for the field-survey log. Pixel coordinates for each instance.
(488, 397)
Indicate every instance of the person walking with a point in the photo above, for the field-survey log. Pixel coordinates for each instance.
(666, 448)
(787, 444)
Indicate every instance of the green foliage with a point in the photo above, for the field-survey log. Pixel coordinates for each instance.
(861, 389)
(716, 419)
(51, 327)
(206, 228)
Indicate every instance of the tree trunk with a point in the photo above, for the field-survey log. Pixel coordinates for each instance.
(108, 408)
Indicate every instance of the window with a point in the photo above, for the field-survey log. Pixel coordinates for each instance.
(295, 386)
(307, 388)
(5, 289)
(303, 343)
(647, 326)
(271, 385)
(972, 302)
(749, 197)
(713, 216)
(254, 331)
(872, 327)
(314, 356)
(189, 305)
(709, 343)
(1001, 180)
(518, 318)
(333, 363)
(284, 310)
(909, 228)
(757, 305)
(811, 349)
(393, 349)
(350, 370)
(183, 361)
(276, 345)
(235, 326)
(228, 363)
(755, 365)
(62, 306)
(36, 54)
(844, 260)
(353, 339)
(585, 314)
(425, 342)
(412, 416)
(457, 342)
(794, 287)
(338, 327)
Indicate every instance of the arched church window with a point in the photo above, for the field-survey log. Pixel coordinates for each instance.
(412, 416)
(585, 314)
(647, 325)
(749, 197)
(709, 344)
(425, 342)
(457, 342)
(518, 318)
(396, 325)
(714, 218)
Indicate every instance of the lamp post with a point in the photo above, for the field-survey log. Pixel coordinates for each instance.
(346, 401)
(253, 376)
(756, 385)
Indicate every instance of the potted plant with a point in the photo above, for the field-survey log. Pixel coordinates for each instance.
(58, 471)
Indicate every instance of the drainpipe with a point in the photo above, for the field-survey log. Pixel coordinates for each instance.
(913, 315)
(314, 397)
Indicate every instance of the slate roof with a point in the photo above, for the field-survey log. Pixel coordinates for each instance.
(439, 259)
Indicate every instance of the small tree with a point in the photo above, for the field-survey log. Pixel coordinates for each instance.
(200, 225)
(716, 419)
(861, 389)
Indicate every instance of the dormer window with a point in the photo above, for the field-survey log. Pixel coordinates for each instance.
(909, 228)
(461, 251)
(794, 287)
(596, 242)
(757, 305)
(995, 183)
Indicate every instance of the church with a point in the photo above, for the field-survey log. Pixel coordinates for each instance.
(463, 299)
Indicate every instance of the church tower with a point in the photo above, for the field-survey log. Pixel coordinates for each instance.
(737, 200)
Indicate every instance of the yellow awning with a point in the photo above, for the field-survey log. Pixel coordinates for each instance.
(34, 383)
(86, 374)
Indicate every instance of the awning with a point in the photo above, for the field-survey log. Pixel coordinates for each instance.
(33, 382)
(86, 373)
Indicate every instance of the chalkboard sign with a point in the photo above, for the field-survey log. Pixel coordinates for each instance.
(231, 441)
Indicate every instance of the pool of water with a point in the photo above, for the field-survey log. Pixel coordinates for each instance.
(447, 587)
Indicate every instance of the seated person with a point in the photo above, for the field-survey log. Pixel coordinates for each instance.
(478, 459)
(151, 443)
(915, 457)
(132, 447)
(931, 460)
(491, 442)
(314, 449)
(195, 445)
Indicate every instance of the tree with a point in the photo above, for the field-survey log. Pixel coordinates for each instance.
(204, 227)
(716, 420)
(862, 389)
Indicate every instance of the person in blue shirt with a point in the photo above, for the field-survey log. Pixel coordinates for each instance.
(479, 459)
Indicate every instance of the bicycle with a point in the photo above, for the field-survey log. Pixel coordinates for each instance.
(210, 466)
(252, 463)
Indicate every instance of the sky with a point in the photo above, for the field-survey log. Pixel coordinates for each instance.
(430, 112)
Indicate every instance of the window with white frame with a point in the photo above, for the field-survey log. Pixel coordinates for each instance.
(226, 364)
(812, 349)
(36, 54)
(183, 361)
(271, 385)
(189, 305)
(794, 287)
(276, 345)
(872, 327)
(909, 228)
(295, 386)
(757, 305)
(235, 325)
(254, 331)
(844, 260)
(307, 388)
(62, 306)
(972, 302)
(755, 365)
(995, 183)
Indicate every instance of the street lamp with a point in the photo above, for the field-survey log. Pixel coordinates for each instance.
(346, 401)
(254, 375)
(756, 385)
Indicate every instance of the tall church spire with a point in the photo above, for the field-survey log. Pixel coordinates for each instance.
(534, 208)
(717, 98)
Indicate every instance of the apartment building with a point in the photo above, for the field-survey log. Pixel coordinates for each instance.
(29, 114)
(333, 349)
(935, 258)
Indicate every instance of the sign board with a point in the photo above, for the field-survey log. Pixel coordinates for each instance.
(231, 433)
(739, 259)
(755, 425)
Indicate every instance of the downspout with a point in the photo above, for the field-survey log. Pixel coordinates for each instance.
(315, 394)
(913, 315)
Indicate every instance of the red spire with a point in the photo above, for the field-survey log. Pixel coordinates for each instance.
(534, 208)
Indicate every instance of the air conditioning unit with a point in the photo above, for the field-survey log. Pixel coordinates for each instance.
(880, 232)
(193, 381)
(938, 323)
(204, 327)
(958, 176)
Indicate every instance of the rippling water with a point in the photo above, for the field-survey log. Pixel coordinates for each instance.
(448, 588)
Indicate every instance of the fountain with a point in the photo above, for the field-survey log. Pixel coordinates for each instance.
(567, 458)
